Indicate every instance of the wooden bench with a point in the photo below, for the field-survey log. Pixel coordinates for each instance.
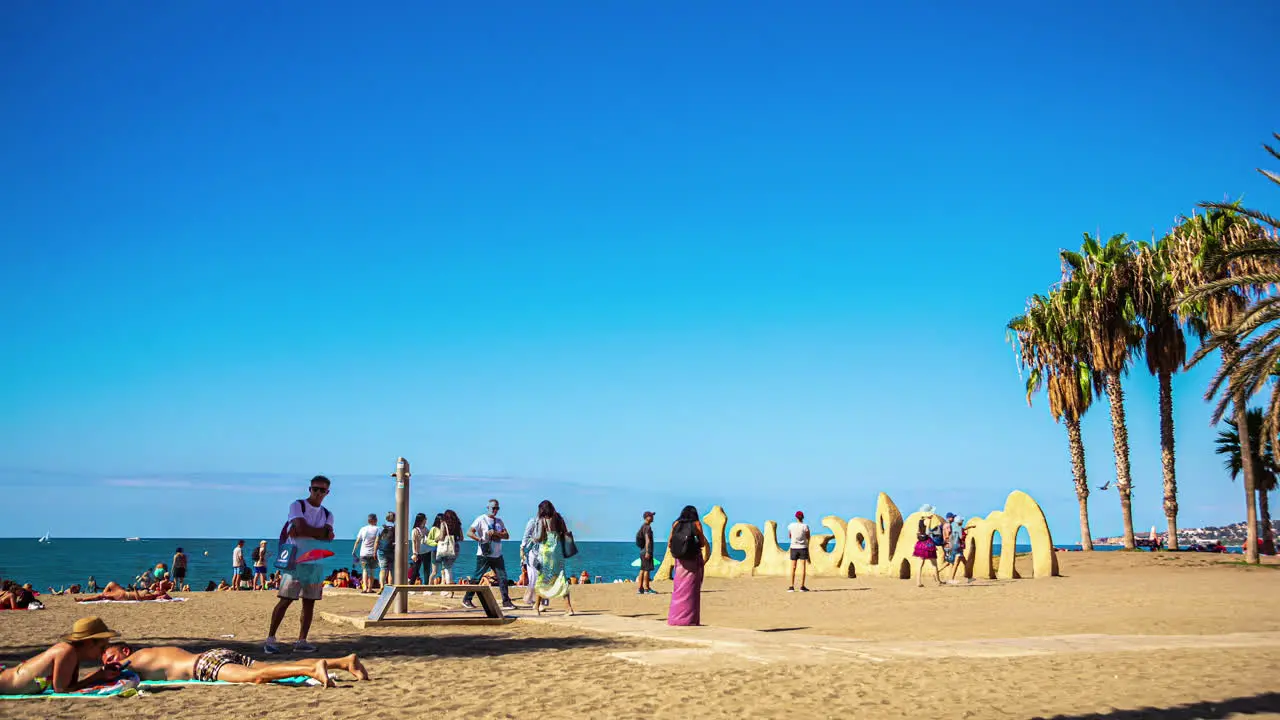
(381, 612)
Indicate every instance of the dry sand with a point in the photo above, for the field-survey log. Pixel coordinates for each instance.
(891, 650)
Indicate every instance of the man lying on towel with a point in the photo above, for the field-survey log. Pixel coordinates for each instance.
(171, 663)
(113, 591)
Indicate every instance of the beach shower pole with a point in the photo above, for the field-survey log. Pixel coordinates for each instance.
(400, 573)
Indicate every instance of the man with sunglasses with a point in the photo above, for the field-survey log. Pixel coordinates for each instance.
(310, 525)
(488, 531)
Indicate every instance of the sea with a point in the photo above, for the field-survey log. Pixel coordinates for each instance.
(60, 562)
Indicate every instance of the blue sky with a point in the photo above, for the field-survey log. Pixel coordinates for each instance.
(625, 256)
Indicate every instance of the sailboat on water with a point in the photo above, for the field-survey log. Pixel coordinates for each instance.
(44, 539)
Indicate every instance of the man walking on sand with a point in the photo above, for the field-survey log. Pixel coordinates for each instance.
(799, 532)
(489, 532)
(237, 564)
(366, 549)
(644, 541)
(310, 526)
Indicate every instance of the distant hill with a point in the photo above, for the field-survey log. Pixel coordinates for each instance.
(1234, 534)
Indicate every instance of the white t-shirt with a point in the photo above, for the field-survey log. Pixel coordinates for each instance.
(484, 524)
(237, 557)
(316, 517)
(799, 535)
(368, 539)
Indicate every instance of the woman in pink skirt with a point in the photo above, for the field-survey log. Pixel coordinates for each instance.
(925, 550)
(686, 544)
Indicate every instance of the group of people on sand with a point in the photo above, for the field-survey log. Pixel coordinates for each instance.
(950, 535)
(57, 669)
(18, 597)
(434, 548)
(688, 545)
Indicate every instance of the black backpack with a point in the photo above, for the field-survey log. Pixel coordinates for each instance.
(387, 541)
(640, 538)
(683, 543)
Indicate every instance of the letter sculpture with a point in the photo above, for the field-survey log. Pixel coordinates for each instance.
(878, 547)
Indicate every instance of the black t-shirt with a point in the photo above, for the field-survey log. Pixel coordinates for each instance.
(646, 533)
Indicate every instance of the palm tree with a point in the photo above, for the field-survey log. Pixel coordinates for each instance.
(1166, 351)
(1264, 464)
(1049, 343)
(1223, 264)
(1100, 285)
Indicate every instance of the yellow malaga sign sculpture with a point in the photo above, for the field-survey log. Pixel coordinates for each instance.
(878, 547)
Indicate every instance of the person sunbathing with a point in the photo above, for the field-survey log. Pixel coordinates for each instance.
(113, 591)
(171, 663)
(18, 597)
(58, 668)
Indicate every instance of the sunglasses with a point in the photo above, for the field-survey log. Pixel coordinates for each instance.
(322, 491)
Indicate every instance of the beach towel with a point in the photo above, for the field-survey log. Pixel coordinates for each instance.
(122, 602)
(128, 686)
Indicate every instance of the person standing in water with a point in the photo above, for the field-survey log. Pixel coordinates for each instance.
(179, 565)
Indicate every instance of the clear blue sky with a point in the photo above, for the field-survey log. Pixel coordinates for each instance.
(622, 256)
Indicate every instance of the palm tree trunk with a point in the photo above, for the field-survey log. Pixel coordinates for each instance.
(1120, 438)
(1241, 412)
(1250, 497)
(1082, 481)
(1268, 535)
(1166, 458)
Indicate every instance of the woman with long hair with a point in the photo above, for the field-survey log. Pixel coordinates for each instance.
(530, 560)
(433, 540)
(420, 560)
(450, 540)
(551, 582)
(686, 543)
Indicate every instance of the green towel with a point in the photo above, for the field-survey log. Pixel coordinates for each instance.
(114, 692)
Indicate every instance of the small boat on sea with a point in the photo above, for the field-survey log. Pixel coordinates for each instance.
(44, 539)
(132, 539)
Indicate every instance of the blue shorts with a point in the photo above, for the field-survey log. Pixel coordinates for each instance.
(235, 571)
(259, 570)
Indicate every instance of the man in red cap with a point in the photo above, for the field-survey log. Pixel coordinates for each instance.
(644, 541)
(799, 551)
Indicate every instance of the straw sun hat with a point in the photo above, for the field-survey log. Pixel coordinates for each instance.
(90, 628)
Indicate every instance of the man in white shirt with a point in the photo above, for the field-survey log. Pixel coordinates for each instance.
(309, 527)
(366, 548)
(799, 532)
(237, 565)
(489, 531)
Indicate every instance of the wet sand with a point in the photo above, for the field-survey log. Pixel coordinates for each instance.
(1106, 640)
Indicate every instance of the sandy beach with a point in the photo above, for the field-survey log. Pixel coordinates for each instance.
(1120, 635)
